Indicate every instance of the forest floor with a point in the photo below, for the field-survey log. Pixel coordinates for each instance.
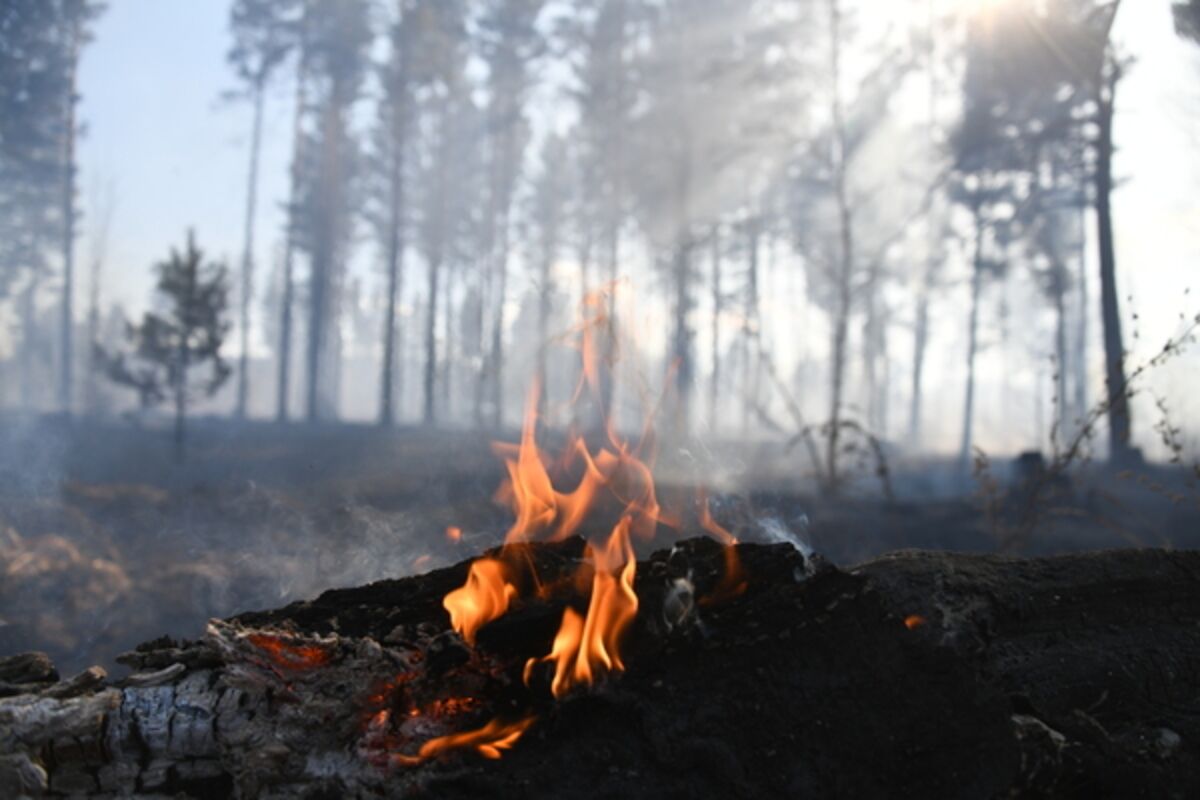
(106, 542)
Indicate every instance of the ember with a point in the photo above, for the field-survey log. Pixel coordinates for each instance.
(288, 655)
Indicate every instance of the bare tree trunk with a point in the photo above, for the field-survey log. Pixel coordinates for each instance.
(479, 386)
(284, 385)
(933, 237)
(447, 364)
(1060, 352)
(324, 339)
(920, 342)
(750, 321)
(1121, 450)
(66, 332)
(870, 347)
(964, 451)
(1081, 331)
(497, 349)
(845, 266)
(681, 340)
(29, 339)
(243, 389)
(184, 356)
(543, 335)
(428, 413)
(718, 302)
(395, 280)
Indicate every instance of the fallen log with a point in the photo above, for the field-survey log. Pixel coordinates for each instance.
(919, 674)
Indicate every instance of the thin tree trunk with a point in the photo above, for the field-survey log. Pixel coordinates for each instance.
(964, 452)
(395, 257)
(66, 334)
(933, 235)
(284, 386)
(543, 333)
(447, 365)
(243, 389)
(681, 348)
(29, 340)
(184, 357)
(428, 413)
(1060, 353)
(750, 321)
(920, 342)
(1121, 451)
(870, 347)
(323, 340)
(497, 350)
(714, 387)
(1081, 333)
(845, 264)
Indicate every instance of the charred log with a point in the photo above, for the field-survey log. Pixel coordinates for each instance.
(918, 674)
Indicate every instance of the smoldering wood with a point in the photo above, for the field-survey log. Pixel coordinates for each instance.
(950, 675)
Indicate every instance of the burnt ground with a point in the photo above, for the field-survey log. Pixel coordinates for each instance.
(915, 675)
(106, 542)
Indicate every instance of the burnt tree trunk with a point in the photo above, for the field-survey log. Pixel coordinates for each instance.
(247, 287)
(960, 676)
(1120, 448)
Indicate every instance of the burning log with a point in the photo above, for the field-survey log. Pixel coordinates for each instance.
(918, 674)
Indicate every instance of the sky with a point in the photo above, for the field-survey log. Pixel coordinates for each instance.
(174, 155)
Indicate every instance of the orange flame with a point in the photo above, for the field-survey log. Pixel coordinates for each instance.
(485, 596)
(913, 621)
(488, 741)
(733, 581)
(585, 648)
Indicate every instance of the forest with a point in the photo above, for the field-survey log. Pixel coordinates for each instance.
(288, 288)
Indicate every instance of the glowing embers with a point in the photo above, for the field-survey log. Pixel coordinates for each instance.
(485, 596)
(290, 655)
(404, 734)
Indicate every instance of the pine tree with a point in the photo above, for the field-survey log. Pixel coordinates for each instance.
(175, 354)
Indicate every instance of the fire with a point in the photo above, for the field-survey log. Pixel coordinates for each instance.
(615, 478)
(488, 741)
(913, 621)
(733, 582)
(485, 596)
(585, 647)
